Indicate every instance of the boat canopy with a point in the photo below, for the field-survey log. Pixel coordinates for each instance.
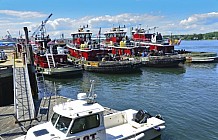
(77, 108)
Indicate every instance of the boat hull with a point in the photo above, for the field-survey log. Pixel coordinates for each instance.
(200, 57)
(113, 67)
(162, 62)
(63, 72)
(147, 135)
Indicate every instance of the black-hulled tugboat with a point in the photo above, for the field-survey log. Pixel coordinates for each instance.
(154, 50)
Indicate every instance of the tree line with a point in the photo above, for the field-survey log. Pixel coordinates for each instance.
(206, 36)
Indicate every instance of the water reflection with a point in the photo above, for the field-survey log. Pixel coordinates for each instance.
(186, 96)
(177, 71)
(202, 65)
(114, 77)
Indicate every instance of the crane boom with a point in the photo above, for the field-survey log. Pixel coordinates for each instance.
(40, 28)
(47, 18)
(9, 34)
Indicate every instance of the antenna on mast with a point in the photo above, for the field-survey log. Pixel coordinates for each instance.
(90, 98)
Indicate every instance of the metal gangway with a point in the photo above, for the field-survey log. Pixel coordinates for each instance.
(23, 100)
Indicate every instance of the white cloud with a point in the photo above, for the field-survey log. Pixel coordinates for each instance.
(198, 23)
(106, 22)
(206, 18)
(22, 14)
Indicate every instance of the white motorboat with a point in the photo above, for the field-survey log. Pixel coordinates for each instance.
(85, 119)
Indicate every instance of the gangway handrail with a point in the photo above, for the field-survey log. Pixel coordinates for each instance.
(29, 87)
(29, 99)
(14, 80)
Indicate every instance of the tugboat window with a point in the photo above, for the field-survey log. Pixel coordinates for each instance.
(85, 123)
(63, 124)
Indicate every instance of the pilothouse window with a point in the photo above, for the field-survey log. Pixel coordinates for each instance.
(85, 123)
(63, 124)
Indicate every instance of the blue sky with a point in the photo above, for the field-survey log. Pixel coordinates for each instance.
(170, 16)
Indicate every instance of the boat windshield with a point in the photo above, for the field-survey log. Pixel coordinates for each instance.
(85, 123)
(54, 118)
(63, 124)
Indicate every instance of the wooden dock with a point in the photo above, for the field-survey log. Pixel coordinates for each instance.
(23, 103)
(10, 61)
(10, 130)
(16, 119)
(23, 107)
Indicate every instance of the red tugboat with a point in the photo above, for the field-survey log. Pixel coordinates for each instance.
(52, 60)
(118, 42)
(83, 47)
(154, 51)
(95, 57)
(49, 56)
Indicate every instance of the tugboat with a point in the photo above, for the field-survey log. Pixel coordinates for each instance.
(52, 61)
(119, 43)
(95, 57)
(154, 50)
(50, 57)
(85, 119)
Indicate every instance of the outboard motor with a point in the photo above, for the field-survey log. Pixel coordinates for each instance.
(141, 116)
(159, 117)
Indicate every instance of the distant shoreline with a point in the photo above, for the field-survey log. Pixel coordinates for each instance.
(206, 36)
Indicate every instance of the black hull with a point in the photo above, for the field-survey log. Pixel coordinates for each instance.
(69, 72)
(162, 64)
(116, 68)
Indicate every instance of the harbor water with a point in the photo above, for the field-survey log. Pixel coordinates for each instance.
(186, 97)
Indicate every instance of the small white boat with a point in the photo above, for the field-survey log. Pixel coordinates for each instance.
(84, 119)
(200, 59)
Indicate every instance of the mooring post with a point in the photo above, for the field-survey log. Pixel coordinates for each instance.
(30, 65)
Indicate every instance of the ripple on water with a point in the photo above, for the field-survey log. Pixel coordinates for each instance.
(186, 98)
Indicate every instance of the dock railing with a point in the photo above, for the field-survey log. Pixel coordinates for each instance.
(23, 101)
